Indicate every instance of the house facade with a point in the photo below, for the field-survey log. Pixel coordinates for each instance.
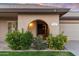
(38, 19)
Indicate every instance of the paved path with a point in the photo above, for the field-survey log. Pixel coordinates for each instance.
(3, 45)
(73, 46)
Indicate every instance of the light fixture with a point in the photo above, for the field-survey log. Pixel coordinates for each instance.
(31, 24)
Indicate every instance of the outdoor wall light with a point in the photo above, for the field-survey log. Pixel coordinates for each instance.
(31, 24)
(54, 24)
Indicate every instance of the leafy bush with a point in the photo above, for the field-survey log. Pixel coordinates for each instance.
(50, 39)
(39, 43)
(57, 42)
(19, 40)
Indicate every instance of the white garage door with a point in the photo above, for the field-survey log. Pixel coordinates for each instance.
(71, 30)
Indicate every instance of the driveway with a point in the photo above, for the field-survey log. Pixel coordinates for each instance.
(73, 46)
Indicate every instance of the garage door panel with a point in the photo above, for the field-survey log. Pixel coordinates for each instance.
(71, 30)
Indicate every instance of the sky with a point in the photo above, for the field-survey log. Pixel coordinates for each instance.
(72, 6)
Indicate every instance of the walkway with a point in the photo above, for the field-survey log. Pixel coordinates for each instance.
(3, 45)
(73, 46)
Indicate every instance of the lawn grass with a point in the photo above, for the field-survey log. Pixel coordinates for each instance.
(36, 53)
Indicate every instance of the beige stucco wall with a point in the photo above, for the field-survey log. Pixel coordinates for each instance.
(33, 28)
(3, 33)
(3, 29)
(25, 19)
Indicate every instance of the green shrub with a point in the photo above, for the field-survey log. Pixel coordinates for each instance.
(57, 42)
(50, 39)
(19, 40)
(39, 43)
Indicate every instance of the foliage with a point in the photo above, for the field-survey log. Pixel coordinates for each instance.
(57, 42)
(39, 43)
(19, 40)
(50, 39)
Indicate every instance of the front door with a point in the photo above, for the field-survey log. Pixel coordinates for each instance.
(42, 28)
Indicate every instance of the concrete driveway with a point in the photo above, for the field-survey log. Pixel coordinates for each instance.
(73, 46)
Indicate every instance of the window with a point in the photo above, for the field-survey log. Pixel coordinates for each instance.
(11, 26)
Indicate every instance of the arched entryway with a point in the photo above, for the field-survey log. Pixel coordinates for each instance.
(38, 27)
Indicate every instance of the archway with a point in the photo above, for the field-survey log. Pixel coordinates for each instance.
(38, 27)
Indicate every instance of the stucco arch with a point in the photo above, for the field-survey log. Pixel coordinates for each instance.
(38, 19)
(35, 26)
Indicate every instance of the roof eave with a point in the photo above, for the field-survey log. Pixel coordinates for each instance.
(60, 11)
(69, 18)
